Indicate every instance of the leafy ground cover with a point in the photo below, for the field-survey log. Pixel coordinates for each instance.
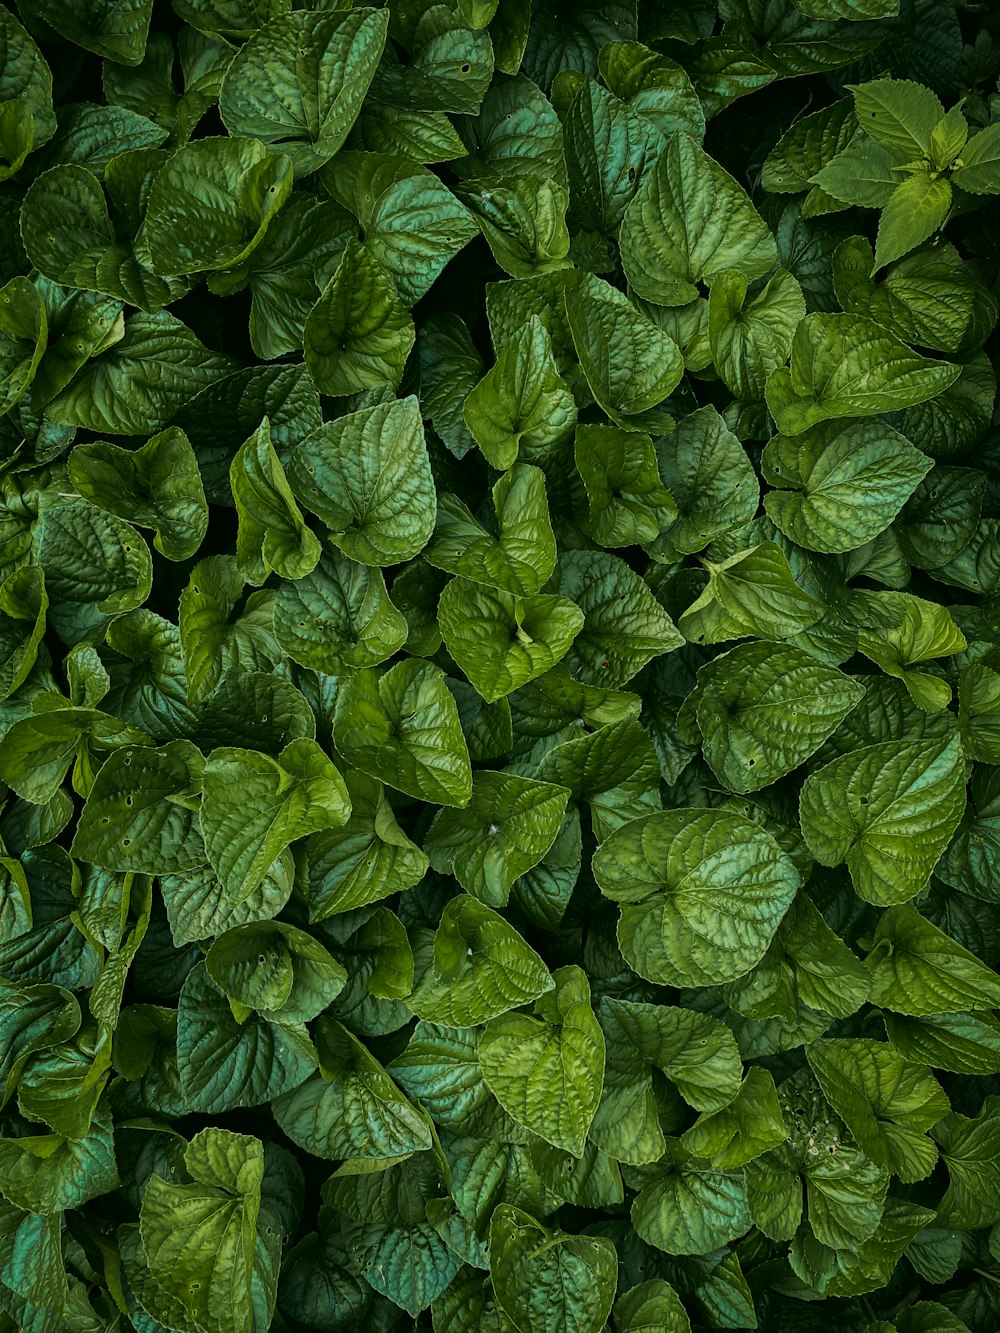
(499, 666)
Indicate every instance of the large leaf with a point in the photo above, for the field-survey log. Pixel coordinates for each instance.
(300, 80)
(887, 810)
(689, 221)
(703, 893)
(368, 478)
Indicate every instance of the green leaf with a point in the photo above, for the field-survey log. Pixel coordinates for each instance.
(142, 811)
(140, 383)
(368, 477)
(624, 626)
(26, 76)
(272, 532)
(212, 642)
(365, 860)
(886, 1103)
(524, 223)
(500, 641)
(971, 862)
(23, 337)
(33, 1017)
(846, 365)
(300, 80)
(763, 709)
(536, 1271)
(23, 606)
(521, 402)
(47, 1173)
(629, 364)
(301, 792)
(198, 1239)
(522, 554)
(865, 172)
(296, 981)
(979, 172)
(507, 827)
(403, 729)
(888, 810)
(918, 969)
(923, 632)
(351, 1107)
(477, 968)
(198, 908)
(914, 211)
(211, 204)
(358, 334)
(748, 341)
(547, 1071)
(338, 617)
(689, 1207)
(750, 593)
(712, 481)
(744, 1129)
(224, 1064)
(807, 146)
(969, 1148)
(118, 34)
(652, 1305)
(703, 894)
(158, 486)
(966, 1043)
(608, 150)
(838, 486)
(412, 223)
(698, 1054)
(614, 770)
(689, 221)
(898, 113)
(629, 504)
(654, 86)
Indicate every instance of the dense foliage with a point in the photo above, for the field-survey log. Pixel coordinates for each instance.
(500, 666)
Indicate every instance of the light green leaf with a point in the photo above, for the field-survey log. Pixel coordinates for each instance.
(698, 1054)
(689, 1207)
(979, 172)
(521, 402)
(898, 113)
(142, 811)
(629, 364)
(158, 486)
(351, 1107)
(522, 554)
(629, 504)
(477, 968)
(614, 770)
(547, 1071)
(299, 82)
(411, 222)
(914, 211)
(211, 203)
(198, 908)
(48, 1174)
(888, 810)
(964, 1043)
(403, 729)
(924, 631)
(536, 1271)
(524, 222)
(338, 617)
(865, 172)
(886, 1103)
(500, 641)
(272, 532)
(198, 1239)
(918, 969)
(689, 221)
(656, 87)
(748, 341)
(763, 709)
(703, 891)
(846, 365)
(363, 861)
(609, 148)
(368, 477)
(744, 1129)
(711, 479)
(358, 334)
(212, 642)
(281, 800)
(807, 146)
(297, 980)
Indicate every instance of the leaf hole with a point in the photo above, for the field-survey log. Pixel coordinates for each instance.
(862, 800)
(631, 173)
(751, 762)
(260, 958)
(129, 800)
(126, 842)
(465, 68)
